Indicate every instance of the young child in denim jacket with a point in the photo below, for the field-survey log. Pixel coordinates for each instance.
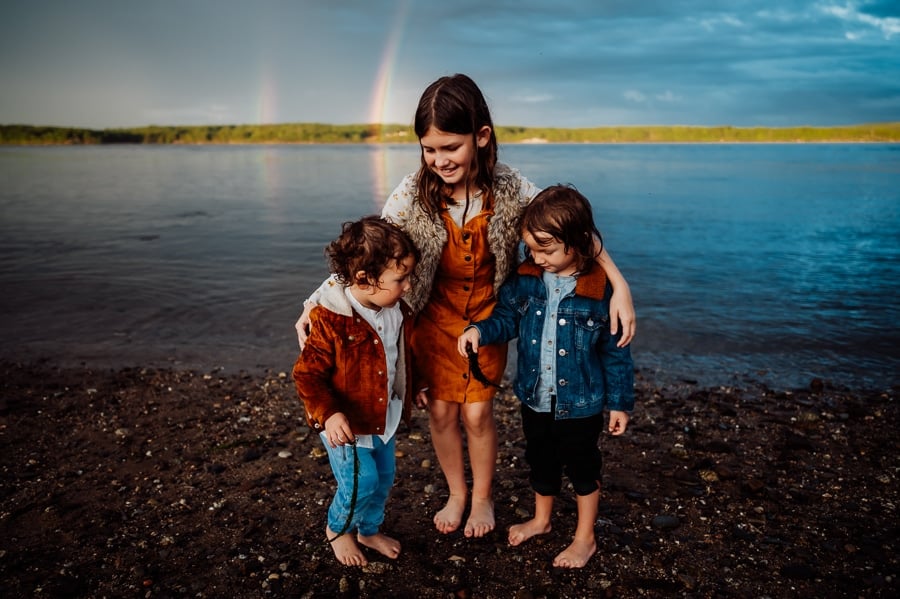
(569, 365)
(354, 378)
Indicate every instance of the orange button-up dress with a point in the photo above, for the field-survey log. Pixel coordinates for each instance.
(462, 293)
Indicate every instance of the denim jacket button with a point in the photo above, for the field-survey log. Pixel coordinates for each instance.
(562, 322)
(562, 382)
(563, 352)
(590, 322)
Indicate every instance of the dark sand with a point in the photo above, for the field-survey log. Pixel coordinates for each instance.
(157, 483)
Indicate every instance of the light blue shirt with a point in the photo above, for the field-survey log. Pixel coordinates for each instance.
(557, 288)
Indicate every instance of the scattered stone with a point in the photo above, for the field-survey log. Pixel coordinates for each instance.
(665, 522)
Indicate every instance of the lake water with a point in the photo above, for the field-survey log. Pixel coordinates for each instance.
(771, 263)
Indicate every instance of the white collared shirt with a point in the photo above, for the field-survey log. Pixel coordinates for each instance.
(387, 323)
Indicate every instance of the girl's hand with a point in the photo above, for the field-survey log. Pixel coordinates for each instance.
(618, 422)
(621, 311)
(337, 430)
(422, 399)
(469, 337)
(302, 324)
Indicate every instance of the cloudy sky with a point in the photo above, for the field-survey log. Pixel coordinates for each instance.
(119, 63)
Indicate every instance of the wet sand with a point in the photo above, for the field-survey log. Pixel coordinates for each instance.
(165, 483)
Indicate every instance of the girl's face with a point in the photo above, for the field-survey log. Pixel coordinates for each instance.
(451, 155)
(392, 285)
(551, 256)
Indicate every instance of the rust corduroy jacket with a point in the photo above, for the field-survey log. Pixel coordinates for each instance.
(342, 367)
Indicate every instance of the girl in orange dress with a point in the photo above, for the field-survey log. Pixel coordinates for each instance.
(462, 210)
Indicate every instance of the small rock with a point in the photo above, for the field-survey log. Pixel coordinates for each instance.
(426, 463)
(284, 453)
(665, 522)
(709, 476)
(376, 568)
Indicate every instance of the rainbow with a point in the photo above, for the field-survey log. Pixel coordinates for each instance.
(381, 185)
(267, 102)
(383, 78)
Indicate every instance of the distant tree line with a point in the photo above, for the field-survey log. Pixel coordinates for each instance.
(317, 133)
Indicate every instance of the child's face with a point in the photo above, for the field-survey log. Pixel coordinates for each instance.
(450, 155)
(392, 285)
(551, 256)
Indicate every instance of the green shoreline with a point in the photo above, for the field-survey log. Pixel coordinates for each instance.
(317, 133)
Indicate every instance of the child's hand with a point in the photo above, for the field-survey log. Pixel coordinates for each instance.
(469, 337)
(302, 324)
(618, 422)
(337, 430)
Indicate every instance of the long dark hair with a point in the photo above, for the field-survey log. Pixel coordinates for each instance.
(563, 212)
(454, 104)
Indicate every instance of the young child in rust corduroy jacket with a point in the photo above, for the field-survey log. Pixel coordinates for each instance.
(354, 378)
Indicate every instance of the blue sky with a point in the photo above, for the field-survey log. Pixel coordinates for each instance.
(121, 63)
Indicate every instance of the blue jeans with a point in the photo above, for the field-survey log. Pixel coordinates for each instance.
(376, 477)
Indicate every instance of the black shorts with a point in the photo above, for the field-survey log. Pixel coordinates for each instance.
(557, 446)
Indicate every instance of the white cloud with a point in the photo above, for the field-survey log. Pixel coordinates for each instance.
(851, 14)
(635, 96)
(667, 96)
(729, 20)
(533, 99)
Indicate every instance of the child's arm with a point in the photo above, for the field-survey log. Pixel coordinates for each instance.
(501, 326)
(621, 306)
(618, 371)
(302, 324)
(618, 422)
(312, 376)
(471, 337)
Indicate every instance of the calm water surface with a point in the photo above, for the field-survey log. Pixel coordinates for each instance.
(772, 263)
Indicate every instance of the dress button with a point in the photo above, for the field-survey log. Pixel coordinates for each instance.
(376, 342)
(465, 287)
(468, 258)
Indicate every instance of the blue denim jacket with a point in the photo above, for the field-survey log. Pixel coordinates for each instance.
(592, 373)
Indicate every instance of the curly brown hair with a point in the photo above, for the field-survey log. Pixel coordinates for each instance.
(370, 245)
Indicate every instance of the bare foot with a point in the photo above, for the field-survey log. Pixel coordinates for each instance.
(575, 555)
(381, 543)
(346, 550)
(448, 519)
(481, 518)
(519, 533)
